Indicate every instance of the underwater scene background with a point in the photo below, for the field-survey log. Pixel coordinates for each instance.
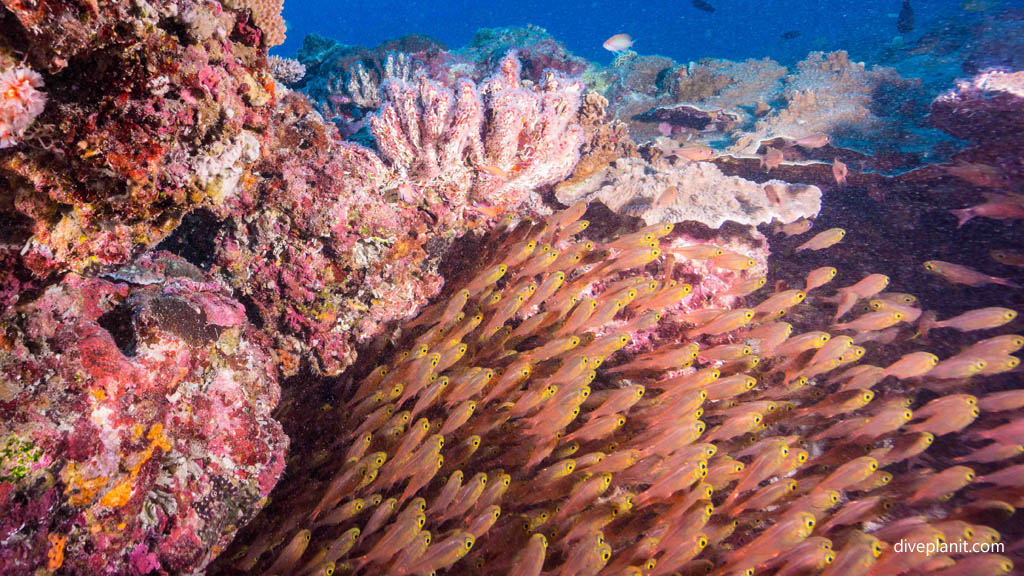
(705, 287)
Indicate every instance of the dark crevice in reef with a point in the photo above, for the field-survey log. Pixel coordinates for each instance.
(195, 239)
(118, 322)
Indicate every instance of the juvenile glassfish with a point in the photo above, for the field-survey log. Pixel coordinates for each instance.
(823, 240)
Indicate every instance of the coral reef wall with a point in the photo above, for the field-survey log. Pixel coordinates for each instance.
(136, 423)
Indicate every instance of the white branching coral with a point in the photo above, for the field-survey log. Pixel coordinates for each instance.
(20, 102)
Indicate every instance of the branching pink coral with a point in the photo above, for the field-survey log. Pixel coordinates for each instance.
(20, 102)
(493, 144)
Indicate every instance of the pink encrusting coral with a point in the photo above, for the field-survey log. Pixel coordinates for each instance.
(135, 423)
(493, 144)
(21, 100)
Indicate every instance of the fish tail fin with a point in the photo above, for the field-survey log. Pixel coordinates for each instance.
(926, 323)
(1004, 282)
(962, 216)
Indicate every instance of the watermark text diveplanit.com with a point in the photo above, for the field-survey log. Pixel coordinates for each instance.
(942, 547)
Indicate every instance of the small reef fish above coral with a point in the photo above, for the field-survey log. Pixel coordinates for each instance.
(498, 309)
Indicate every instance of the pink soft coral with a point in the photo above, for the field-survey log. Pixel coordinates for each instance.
(20, 103)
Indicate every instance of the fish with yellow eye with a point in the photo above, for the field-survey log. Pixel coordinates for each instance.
(942, 485)
(340, 546)
(864, 379)
(875, 481)
(788, 531)
(466, 497)
(766, 497)
(770, 336)
(887, 420)
(459, 415)
(341, 513)
(584, 494)
(730, 386)
(616, 401)
(671, 357)
(486, 279)
(902, 448)
(853, 472)
(667, 297)
(765, 464)
(778, 304)
(597, 428)
(634, 258)
(871, 322)
(1002, 401)
(724, 471)
(697, 251)
(819, 277)
(856, 511)
(578, 318)
(530, 561)
(946, 415)
(520, 253)
(912, 365)
(957, 367)
(801, 343)
(747, 286)
(735, 426)
(539, 262)
(448, 493)
(442, 554)
(484, 520)
(722, 323)
(807, 558)
(839, 404)
(725, 352)
(986, 563)
(552, 348)
(857, 556)
(511, 378)
(564, 218)
(681, 554)
(733, 261)
(959, 274)
(823, 240)
(980, 319)
(291, 553)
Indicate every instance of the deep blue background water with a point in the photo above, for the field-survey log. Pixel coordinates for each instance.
(737, 29)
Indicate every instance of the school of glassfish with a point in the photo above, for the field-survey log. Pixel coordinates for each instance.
(558, 414)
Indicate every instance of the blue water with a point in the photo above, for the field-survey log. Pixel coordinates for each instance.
(737, 29)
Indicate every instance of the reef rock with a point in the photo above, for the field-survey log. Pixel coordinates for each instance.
(677, 190)
(135, 425)
(985, 109)
(152, 111)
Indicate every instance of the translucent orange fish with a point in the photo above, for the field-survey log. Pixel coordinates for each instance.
(823, 240)
(725, 322)
(819, 277)
(958, 274)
